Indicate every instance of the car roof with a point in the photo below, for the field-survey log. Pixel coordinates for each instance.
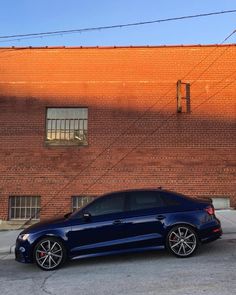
(144, 190)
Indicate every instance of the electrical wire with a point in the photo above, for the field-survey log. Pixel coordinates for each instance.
(19, 37)
(122, 134)
(152, 133)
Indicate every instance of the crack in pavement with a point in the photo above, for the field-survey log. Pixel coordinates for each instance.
(43, 285)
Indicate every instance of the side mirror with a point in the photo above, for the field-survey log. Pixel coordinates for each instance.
(86, 216)
(67, 215)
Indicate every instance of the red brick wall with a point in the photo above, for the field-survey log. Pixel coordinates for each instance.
(189, 153)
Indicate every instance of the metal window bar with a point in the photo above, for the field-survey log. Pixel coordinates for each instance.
(50, 121)
(56, 129)
(30, 207)
(67, 130)
(60, 128)
(19, 207)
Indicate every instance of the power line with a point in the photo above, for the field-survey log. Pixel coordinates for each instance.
(123, 133)
(202, 60)
(163, 124)
(99, 28)
(207, 68)
(152, 133)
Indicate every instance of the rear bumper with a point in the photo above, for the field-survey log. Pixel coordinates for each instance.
(211, 231)
(213, 236)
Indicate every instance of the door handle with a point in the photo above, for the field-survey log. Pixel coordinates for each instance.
(160, 217)
(117, 221)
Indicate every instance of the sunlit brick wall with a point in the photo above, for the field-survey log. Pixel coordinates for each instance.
(189, 153)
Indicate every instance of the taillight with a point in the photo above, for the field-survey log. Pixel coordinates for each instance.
(210, 210)
(216, 230)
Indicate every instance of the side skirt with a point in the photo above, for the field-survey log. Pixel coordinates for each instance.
(106, 253)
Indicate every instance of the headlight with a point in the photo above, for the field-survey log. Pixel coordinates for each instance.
(23, 237)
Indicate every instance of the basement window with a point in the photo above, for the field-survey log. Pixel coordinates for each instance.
(67, 126)
(24, 207)
(80, 201)
(221, 202)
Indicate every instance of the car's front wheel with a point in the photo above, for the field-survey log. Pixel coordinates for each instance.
(182, 241)
(49, 253)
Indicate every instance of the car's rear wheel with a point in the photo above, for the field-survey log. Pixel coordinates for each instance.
(49, 253)
(182, 241)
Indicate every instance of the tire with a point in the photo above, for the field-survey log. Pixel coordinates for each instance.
(182, 241)
(49, 253)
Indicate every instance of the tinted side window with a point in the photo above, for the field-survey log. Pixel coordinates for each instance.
(170, 199)
(107, 205)
(144, 200)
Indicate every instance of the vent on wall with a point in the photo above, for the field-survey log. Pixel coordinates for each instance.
(221, 202)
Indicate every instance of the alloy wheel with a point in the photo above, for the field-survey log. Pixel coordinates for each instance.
(182, 241)
(49, 254)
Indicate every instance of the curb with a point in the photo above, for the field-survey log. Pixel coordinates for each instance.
(229, 236)
(4, 251)
(7, 250)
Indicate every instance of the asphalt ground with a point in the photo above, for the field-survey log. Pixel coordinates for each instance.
(211, 271)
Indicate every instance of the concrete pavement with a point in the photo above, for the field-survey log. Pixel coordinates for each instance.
(7, 240)
(227, 218)
(210, 272)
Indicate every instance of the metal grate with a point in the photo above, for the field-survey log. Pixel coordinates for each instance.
(80, 201)
(64, 128)
(24, 207)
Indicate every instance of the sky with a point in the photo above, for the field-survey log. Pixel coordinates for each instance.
(27, 16)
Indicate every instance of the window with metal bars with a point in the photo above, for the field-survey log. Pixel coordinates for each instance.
(80, 201)
(24, 207)
(67, 126)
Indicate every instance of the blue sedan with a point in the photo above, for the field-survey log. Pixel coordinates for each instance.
(134, 220)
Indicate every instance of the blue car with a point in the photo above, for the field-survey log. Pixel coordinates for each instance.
(124, 221)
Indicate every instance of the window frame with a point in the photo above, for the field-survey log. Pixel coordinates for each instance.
(177, 200)
(116, 195)
(37, 208)
(48, 143)
(93, 198)
(129, 196)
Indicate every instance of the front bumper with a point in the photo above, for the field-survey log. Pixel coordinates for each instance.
(23, 251)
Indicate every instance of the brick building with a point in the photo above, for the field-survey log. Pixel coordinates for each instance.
(78, 122)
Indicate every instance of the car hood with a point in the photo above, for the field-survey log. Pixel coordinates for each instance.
(49, 223)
